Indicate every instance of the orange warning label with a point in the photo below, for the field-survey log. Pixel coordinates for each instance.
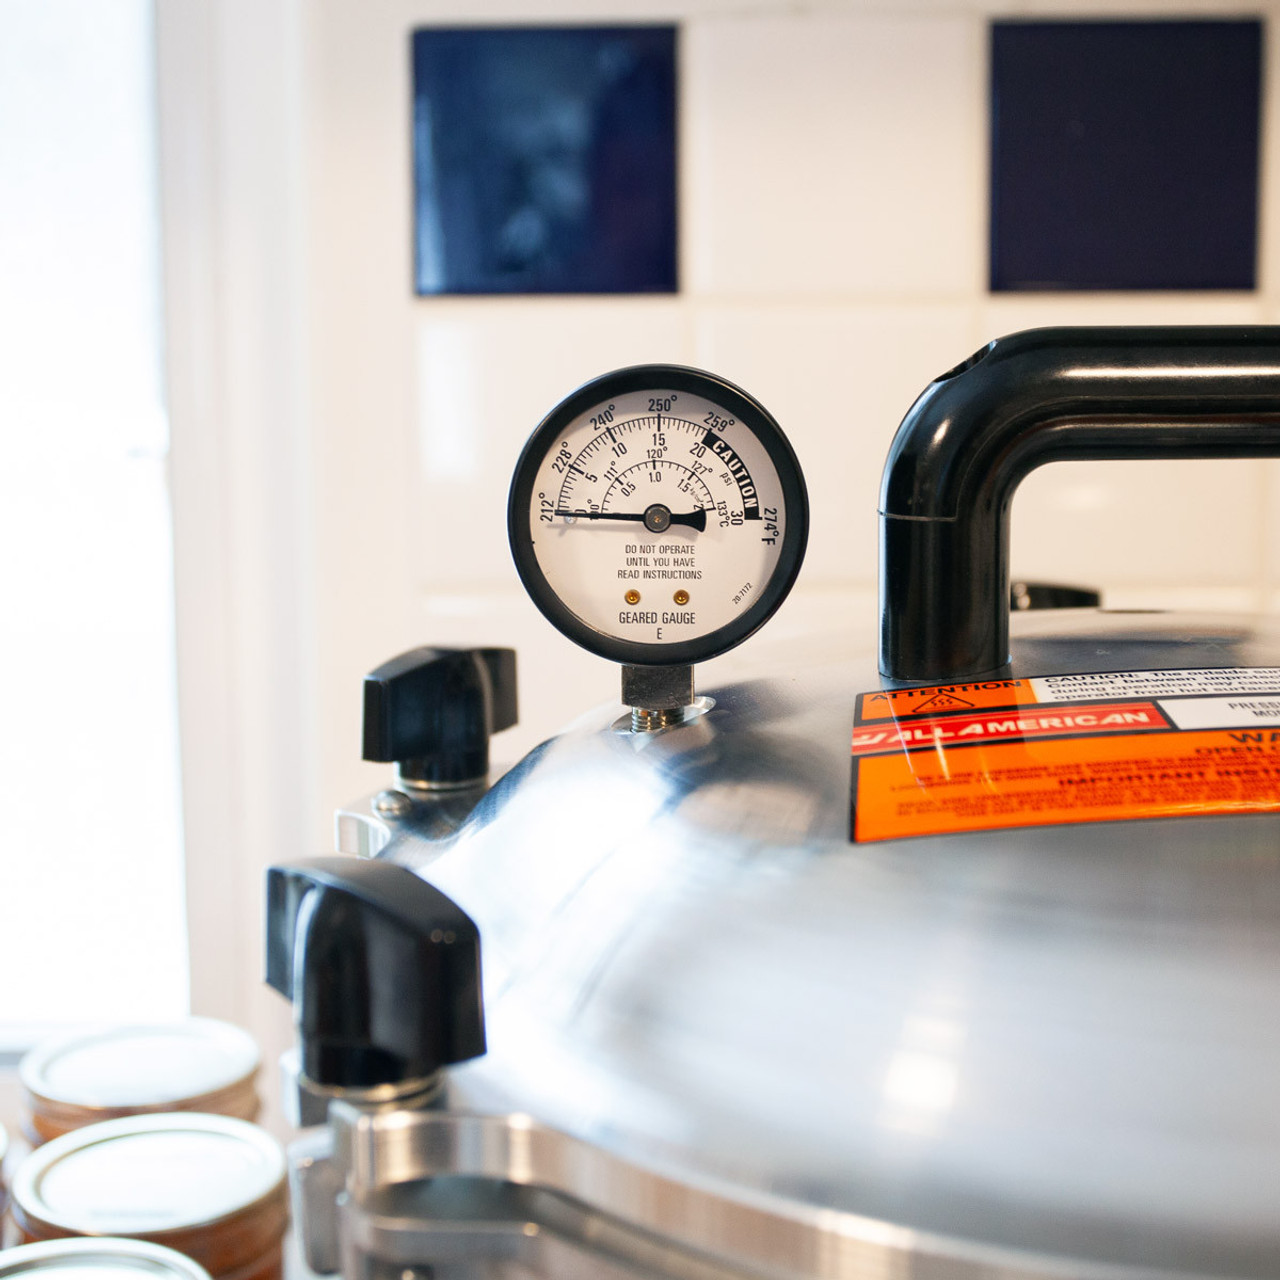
(1035, 784)
(962, 730)
(894, 704)
(1200, 743)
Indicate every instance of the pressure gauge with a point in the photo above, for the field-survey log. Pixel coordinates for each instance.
(658, 515)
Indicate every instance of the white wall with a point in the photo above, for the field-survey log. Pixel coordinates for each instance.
(833, 206)
(231, 99)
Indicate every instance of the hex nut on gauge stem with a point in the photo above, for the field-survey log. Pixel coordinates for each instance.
(657, 696)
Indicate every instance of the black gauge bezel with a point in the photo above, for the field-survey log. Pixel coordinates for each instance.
(747, 410)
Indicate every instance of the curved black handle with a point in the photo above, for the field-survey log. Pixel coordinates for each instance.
(1042, 396)
(382, 968)
(432, 712)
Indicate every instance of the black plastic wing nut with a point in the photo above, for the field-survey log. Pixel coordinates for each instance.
(432, 712)
(382, 968)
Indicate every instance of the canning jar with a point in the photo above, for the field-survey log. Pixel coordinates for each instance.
(99, 1259)
(198, 1064)
(210, 1187)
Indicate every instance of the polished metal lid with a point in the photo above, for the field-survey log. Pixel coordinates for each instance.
(98, 1259)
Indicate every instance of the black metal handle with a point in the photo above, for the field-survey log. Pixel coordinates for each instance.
(432, 711)
(383, 971)
(1042, 396)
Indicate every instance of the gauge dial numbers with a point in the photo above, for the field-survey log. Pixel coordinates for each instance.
(658, 515)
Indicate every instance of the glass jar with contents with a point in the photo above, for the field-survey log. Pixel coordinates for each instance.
(210, 1187)
(99, 1259)
(198, 1064)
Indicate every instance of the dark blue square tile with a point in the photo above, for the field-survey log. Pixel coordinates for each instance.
(1124, 155)
(545, 159)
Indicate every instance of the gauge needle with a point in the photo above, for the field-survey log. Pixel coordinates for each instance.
(655, 518)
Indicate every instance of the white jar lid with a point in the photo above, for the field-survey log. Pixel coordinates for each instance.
(140, 1065)
(98, 1259)
(145, 1175)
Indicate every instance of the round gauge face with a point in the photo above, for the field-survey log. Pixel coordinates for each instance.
(658, 515)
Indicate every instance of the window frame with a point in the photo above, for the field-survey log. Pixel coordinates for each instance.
(229, 94)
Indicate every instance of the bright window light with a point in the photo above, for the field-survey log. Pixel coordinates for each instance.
(92, 922)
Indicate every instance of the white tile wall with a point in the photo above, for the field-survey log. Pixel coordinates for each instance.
(833, 212)
(838, 379)
(1271, 526)
(1162, 525)
(832, 155)
(487, 373)
(1009, 312)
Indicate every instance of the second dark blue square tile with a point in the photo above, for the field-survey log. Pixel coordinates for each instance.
(1124, 155)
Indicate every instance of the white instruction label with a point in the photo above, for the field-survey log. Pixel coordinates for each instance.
(1157, 684)
(1222, 713)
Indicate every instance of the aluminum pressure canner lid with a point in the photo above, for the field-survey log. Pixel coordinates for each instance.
(98, 1259)
(209, 1186)
(1056, 1039)
(197, 1064)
